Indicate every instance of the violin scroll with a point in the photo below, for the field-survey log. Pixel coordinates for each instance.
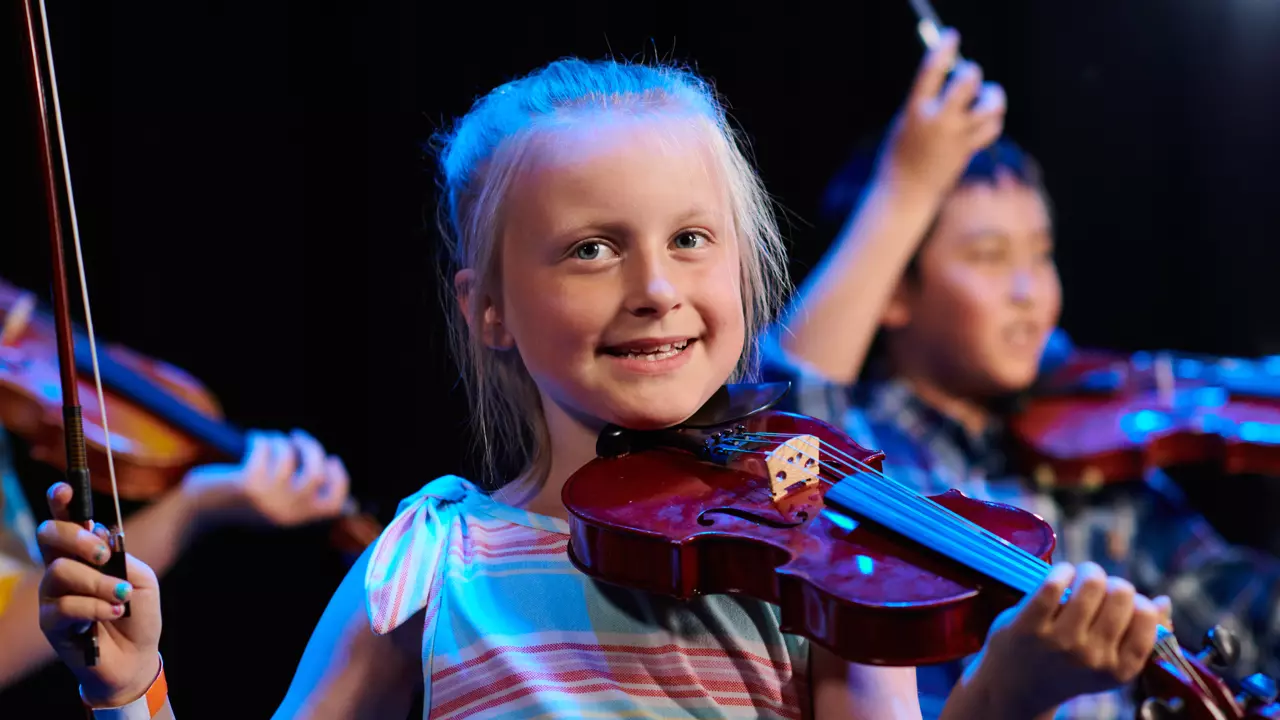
(1183, 686)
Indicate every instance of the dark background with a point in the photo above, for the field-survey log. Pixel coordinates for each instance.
(252, 192)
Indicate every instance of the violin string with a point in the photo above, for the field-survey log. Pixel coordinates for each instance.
(84, 286)
(987, 565)
(1034, 568)
(1166, 642)
(1177, 660)
(1034, 574)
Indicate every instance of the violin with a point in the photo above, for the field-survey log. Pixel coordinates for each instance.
(164, 421)
(786, 509)
(1100, 417)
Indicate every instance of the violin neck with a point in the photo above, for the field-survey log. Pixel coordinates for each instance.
(880, 499)
(227, 440)
(900, 509)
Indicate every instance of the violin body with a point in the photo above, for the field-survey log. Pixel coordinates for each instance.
(667, 521)
(1102, 418)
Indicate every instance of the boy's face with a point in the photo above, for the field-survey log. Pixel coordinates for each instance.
(987, 295)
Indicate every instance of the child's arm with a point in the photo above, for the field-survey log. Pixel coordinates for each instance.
(847, 691)
(349, 671)
(840, 304)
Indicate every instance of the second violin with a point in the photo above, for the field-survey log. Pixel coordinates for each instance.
(163, 421)
(1102, 417)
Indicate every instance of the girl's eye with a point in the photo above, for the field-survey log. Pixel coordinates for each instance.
(592, 250)
(690, 240)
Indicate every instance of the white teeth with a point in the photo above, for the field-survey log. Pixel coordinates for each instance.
(660, 353)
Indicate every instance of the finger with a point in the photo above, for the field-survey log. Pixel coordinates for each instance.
(62, 539)
(253, 468)
(257, 455)
(74, 612)
(1113, 617)
(140, 575)
(102, 533)
(986, 133)
(1041, 607)
(934, 68)
(66, 577)
(59, 499)
(283, 460)
(79, 611)
(337, 484)
(1139, 638)
(1164, 609)
(991, 102)
(310, 479)
(963, 88)
(1087, 593)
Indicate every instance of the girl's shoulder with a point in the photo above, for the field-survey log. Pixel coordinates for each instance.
(408, 556)
(450, 517)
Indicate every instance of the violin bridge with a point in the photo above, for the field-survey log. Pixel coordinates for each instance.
(794, 465)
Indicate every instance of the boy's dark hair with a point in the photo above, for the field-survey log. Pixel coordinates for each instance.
(846, 189)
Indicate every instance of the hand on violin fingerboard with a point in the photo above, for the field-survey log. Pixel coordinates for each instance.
(1098, 639)
(75, 594)
(943, 123)
(283, 481)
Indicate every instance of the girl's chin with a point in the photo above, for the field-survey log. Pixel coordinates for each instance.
(648, 421)
(650, 418)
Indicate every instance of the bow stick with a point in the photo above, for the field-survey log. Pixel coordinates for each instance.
(81, 509)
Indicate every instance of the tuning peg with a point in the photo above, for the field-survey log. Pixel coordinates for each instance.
(1222, 647)
(1161, 709)
(1259, 689)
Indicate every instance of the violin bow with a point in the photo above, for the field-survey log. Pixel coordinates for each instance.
(929, 27)
(81, 509)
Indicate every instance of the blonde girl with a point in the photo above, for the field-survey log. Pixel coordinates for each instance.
(615, 259)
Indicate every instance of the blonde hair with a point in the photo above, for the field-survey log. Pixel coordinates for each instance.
(479, 158)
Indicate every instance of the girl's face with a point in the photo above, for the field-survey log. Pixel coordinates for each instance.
(621, 271)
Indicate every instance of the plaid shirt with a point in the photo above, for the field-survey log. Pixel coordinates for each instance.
(1146, 533)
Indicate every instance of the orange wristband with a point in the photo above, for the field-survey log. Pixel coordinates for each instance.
(154, 700)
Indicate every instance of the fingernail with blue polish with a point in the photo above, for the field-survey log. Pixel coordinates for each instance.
(100, 556)
(122, 590)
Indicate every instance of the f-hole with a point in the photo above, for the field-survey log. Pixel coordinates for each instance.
(749, 516)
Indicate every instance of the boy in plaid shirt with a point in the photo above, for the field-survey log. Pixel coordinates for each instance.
(931, 310)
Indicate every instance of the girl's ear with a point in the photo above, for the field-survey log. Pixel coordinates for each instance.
(492, 332)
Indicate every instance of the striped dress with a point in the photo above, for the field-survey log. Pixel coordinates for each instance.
(512, 630)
